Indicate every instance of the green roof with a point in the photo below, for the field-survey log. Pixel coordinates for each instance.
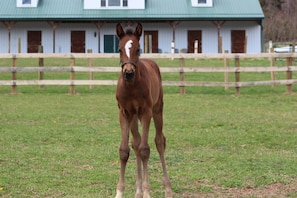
(154, 10)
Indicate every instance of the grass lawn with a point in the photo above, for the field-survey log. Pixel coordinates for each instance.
(58, 145)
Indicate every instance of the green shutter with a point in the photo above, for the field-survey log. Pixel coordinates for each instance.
(111, 44)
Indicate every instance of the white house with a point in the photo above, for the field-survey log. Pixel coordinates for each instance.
(63, 26)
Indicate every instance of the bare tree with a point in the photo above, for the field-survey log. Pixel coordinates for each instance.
(280, 19)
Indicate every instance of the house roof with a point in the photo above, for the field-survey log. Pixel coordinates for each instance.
(154, 10)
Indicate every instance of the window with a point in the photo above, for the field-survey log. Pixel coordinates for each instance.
(26, 1)
(114, 3)
(103, 3)
(106, 4)
(125, 3)
(201, 1)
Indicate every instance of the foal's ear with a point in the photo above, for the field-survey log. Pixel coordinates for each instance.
(120, 31)
(138, 31)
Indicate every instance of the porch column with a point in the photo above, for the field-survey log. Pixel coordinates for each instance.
(54, 27)
(173, 25)
(219, 24)
(99, 26)
(9, 26)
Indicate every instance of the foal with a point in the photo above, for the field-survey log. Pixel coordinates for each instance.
(140, 96)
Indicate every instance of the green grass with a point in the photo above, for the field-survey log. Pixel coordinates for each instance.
(56, 145)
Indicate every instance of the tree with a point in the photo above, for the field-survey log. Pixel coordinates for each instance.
(280, 19)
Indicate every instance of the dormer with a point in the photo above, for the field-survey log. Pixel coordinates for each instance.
(202, 3)
(27, 3)
(114, 4)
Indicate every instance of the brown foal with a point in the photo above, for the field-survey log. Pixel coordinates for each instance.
(140, 97)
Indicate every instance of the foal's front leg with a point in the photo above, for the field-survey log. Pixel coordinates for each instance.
(144, 150)
(124, 152)
(135, 145)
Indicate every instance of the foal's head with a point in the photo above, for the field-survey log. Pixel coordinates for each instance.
(129, 49)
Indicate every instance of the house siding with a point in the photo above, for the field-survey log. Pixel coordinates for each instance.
(63, 37)
(253, 34)
(165, 34)
(209, 35)
(4, 39)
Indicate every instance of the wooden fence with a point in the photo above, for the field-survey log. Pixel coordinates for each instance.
(182, 83)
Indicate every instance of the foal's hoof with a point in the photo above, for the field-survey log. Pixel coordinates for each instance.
(138, 195)
(169, 194)
(119, 194)
(146, 194)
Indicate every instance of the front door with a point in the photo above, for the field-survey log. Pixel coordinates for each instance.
(238, 41)
(111, 44)
(151, 42)
(78, 41)
(34, 40)
(194, 35)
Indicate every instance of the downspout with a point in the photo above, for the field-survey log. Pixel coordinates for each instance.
(262, 36)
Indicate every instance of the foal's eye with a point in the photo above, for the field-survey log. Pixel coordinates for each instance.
(120, 50)
(138, 51)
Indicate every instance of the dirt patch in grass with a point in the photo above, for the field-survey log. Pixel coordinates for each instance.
(272, 190)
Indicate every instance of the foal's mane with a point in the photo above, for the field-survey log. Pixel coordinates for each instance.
(129, 31)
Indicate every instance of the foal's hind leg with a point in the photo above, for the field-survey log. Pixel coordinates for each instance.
(160, 141)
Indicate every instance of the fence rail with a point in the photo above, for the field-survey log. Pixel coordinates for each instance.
(152, 56)
(164, 83)
(72, 69)
(162, 69)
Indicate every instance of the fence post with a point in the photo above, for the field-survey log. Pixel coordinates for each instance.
(172, 49)
(146, 46)
(237, 75)
(220, 45)
(90, 63)
(14, 75)
(227, 74)
(289, 73)
(19, 45)
(182, 89)
(272, 64)
(72, 76)
(196, 48)
(293, 49)
(40, 64)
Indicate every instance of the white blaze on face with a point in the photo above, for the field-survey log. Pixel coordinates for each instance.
(128, 45)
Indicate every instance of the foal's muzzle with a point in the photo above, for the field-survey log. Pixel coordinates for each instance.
(128, 68)
(129, 75)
